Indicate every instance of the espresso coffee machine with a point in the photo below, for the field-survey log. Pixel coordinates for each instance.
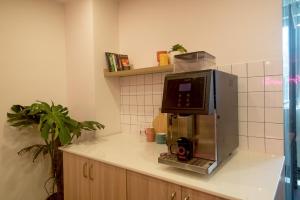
(202, 111)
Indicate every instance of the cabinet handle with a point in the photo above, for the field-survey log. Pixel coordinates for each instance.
(173, 195)
(187, 198)
(84, 170)
(91, 172)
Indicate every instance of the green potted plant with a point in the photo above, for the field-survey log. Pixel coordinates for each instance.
(175, 50)
(57, 129)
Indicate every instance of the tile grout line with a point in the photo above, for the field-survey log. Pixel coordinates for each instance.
(121, 100)
(129, 107)
(260, 107)
(248, 141)
(273, 138)
(144, 106)
(152, 95)
(264, 69)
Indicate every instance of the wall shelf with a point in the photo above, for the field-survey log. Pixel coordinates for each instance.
(132, 72)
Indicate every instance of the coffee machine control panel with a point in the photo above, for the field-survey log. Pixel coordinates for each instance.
(186, 93)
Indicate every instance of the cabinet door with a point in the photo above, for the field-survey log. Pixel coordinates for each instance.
(76, 182)
(107, 182)
(174, 192)
(189, 194)
(143, 187)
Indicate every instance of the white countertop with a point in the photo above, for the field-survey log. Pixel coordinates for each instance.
(246, 175)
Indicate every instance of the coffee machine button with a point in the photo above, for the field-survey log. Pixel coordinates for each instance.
(187, 99)
(187, 104)
(188, 94)
(179, 105)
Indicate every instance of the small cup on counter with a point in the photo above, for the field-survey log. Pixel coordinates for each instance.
(150, 134)
(160, 138)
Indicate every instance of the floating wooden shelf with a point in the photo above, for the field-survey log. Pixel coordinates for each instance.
(132, 72)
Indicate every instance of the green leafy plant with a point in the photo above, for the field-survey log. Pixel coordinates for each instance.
(57, 129)
(178, 47)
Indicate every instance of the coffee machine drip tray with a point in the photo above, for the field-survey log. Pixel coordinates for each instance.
(198, 165)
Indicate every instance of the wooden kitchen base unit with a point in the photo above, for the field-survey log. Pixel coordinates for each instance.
(86, 179)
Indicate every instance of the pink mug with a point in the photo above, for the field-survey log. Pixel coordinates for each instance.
(150, 134)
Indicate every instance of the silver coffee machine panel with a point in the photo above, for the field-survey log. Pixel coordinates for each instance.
(202, 119)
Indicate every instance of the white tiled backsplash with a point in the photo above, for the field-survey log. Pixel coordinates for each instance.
(141, 98)
(260, 103)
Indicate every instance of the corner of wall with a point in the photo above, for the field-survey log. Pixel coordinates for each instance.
(107, 89)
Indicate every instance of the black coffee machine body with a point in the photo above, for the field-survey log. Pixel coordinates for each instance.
(202, 110)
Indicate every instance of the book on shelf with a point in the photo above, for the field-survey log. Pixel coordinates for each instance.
(124, 62)
(109, 62)
(117, 62)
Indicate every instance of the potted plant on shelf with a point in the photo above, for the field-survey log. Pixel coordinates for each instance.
(57, 129)
(175, 50)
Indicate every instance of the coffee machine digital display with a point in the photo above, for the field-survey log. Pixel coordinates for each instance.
(202, 112)
(185, 87)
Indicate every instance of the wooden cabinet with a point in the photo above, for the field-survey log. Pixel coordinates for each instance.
(189, 194)
(76, 182)
(86, 179)
(144, 187)
(108, 182)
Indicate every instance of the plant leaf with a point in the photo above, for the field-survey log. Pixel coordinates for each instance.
(64, 135)
(17, 108)
(178, 47)
(45, 131)
(23, 123)
(31, 148)
(37, 152)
